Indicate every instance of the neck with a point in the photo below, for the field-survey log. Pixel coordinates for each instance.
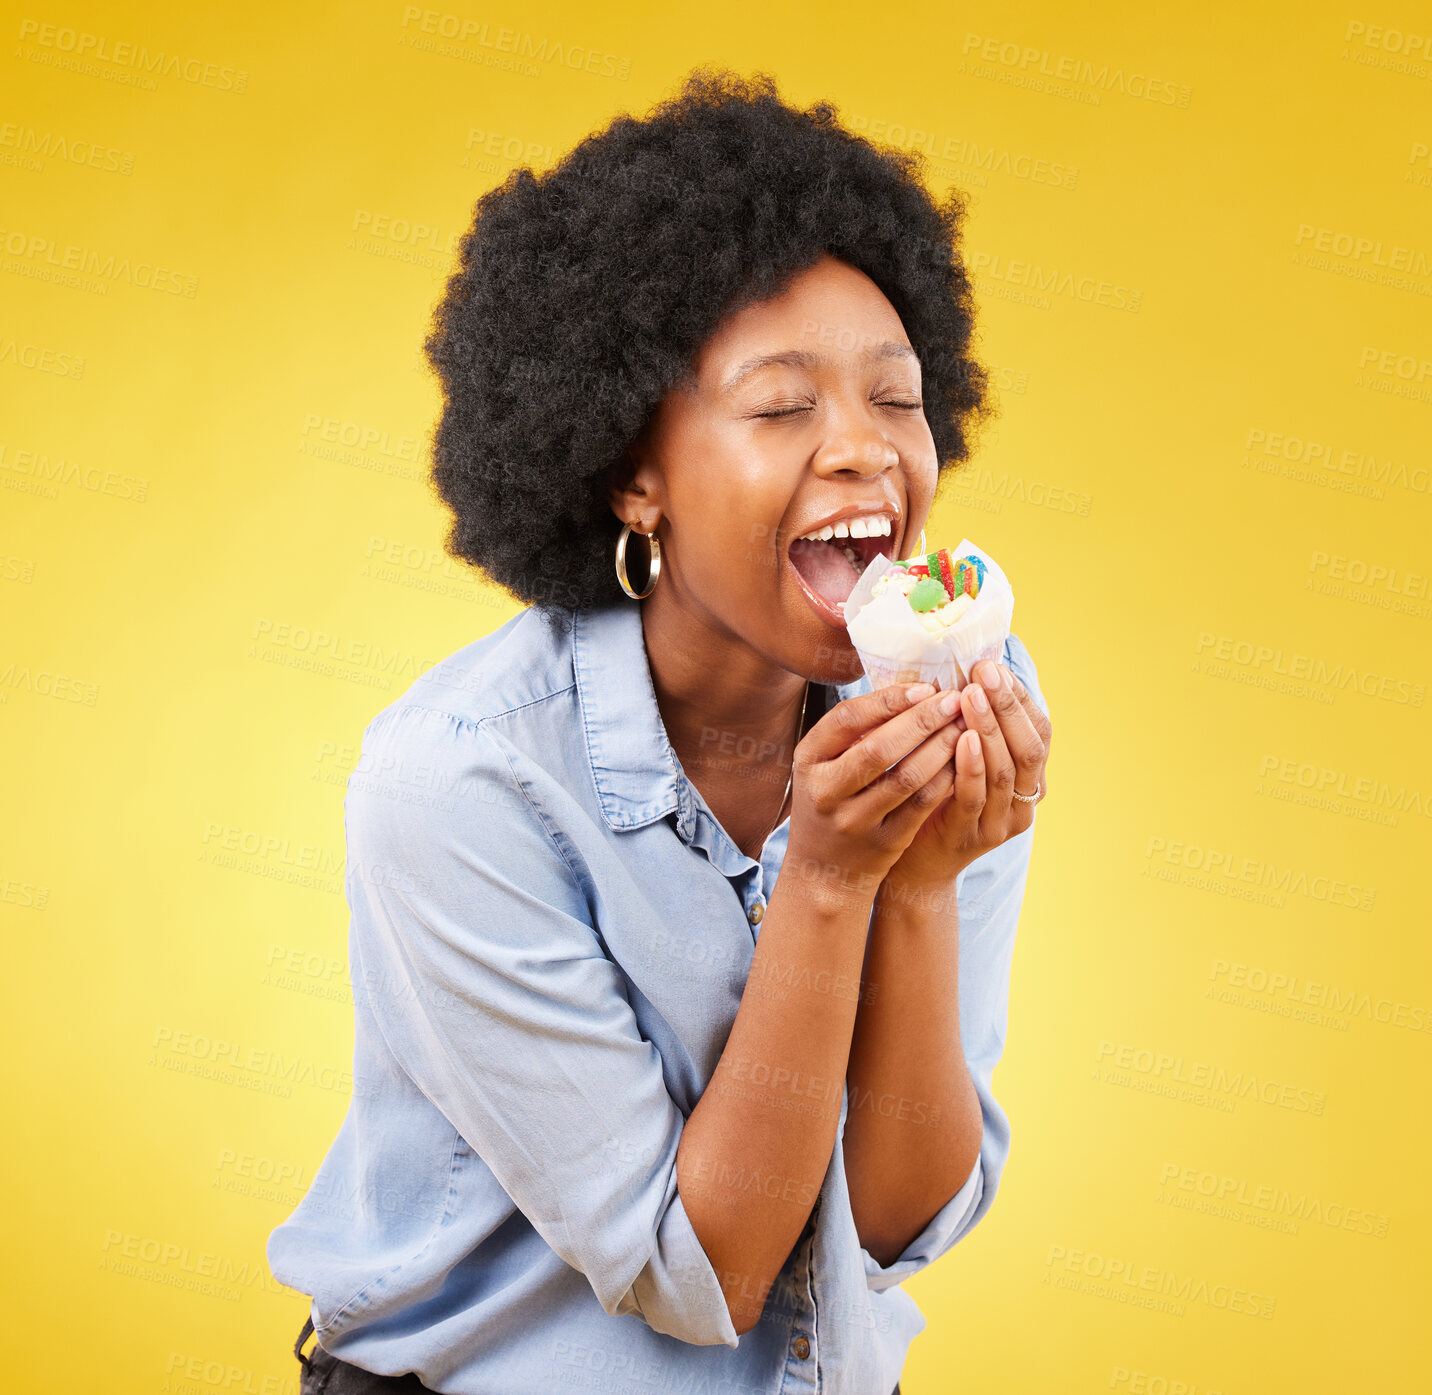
(724, 705)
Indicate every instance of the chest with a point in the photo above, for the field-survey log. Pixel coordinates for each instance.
(747, 805)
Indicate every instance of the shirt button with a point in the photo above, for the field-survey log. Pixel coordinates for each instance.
(801, 1347)
(756, 912)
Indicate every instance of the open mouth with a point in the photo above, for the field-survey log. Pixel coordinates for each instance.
(828, 570)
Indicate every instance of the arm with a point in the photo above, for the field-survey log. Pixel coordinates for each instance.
(933, 1026)
(759, 1142)
(756, 1147)
(474, 944)
(914, 1126)
(499, 1002)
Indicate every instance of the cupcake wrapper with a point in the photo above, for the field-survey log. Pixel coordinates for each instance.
(911, 654)
(939, 670)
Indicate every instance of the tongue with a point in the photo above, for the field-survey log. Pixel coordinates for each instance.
(824, 568)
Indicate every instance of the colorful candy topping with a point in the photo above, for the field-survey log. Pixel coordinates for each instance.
(938, 586)
(926, 594)
(969, 575)
(941, 565)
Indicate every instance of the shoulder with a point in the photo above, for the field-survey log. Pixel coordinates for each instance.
(444, 792)
(438, 755)
(524, 660)
(480, 752)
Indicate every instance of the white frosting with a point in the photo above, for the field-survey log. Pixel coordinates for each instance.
(942, 645)
(887, 624)
(934, 621)
(904, 580)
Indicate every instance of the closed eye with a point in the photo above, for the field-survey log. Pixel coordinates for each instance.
(795, 409)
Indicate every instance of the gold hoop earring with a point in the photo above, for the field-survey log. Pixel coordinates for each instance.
(653, 565)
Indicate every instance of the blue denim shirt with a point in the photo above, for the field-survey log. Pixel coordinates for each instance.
(549, 939)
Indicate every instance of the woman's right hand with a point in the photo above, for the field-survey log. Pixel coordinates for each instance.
(866, 776)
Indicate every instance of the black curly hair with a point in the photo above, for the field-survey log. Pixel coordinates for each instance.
(583, 295)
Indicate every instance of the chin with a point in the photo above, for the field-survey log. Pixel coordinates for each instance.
(833, 659)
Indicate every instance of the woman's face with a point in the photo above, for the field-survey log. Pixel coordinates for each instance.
(801, 411)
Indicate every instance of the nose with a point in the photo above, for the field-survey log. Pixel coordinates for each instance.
(855, 446)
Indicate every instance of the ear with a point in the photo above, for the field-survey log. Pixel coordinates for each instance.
(634, 487)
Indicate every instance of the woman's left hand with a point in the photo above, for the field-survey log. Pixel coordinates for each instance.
(1004, 748)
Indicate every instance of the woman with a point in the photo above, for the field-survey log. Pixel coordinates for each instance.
(680, 958)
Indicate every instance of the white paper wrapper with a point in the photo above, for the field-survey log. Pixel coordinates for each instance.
(894, 647)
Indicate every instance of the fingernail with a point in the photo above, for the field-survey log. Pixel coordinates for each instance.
(981, 703)
(992, 679)
(917, 691)
(949, 702)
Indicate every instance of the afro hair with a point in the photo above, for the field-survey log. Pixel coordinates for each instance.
(583, 295)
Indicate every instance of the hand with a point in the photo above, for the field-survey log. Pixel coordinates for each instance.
(865, 779)
(1004, 748)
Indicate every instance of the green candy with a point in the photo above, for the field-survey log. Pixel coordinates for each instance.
(927, 593)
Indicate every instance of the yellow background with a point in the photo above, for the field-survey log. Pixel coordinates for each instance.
(214, 485)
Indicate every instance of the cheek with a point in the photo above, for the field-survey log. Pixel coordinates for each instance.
(732, 498)
(730, 531)
(921, 478)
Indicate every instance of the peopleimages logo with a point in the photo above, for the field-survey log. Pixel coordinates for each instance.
(1167, 1283)
(1220, 863)
(1269, 663)
(1033, 63)
(1043, 281)
(1359, 247)
(969, 154)
(1325, 780)
(85, 50)
(1279, 1201)
(1167, 1069)
(1373, 574)
(1352, 1002)
(1323, 458)
(45, 258)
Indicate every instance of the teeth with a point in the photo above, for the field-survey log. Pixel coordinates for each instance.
(867, 526)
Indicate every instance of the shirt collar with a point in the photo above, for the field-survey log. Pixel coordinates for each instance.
(636, 771)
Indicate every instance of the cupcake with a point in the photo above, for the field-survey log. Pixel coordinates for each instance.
(929, 619)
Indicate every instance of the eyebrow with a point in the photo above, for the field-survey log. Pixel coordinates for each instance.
(803, 358)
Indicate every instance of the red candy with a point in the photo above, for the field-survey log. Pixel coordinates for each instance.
(942, 565)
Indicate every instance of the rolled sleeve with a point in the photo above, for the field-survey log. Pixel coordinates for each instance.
(990, 892)
(678, 1272)
(951, 1221)
(487, 978)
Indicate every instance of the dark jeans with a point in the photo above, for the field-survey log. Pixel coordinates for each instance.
(323, 1374)
(326, 1375)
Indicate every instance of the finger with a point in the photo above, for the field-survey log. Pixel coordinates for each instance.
(1032, 709)
(1041, 723)
(883, 746)
(1020, 735)
(998, 763)
(904, 821)
(970, 791)
(907, 776)
(848, 721)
